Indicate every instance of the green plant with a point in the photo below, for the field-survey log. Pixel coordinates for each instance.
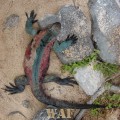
(70, 67)
(94, 112)
(111, 100)
(106, 68)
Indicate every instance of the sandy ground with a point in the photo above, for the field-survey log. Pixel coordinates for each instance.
(13, 42)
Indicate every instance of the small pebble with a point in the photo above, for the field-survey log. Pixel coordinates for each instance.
(11, 21)
(26, 103)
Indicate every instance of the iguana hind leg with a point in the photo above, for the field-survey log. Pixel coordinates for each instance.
(68, 81)
(20, 83)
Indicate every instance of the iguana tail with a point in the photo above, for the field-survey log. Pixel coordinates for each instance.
(42, 97)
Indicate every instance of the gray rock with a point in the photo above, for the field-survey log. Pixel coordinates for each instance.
(43, 115)
(106, 29)
(89, 80)
(48, 20)
(118, 2)
(11, 21)
(72, 21)
(26, 103)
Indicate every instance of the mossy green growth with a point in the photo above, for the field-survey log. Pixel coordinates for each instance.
(95, 112)
(106, 68)
(108, 99)
(70, 67)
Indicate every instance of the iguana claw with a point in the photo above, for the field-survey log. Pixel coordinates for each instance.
(26, 15)
(73, 38)
(13, 89)
(20, 83)
(32, 16)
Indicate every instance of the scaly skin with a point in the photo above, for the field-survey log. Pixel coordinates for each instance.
(36, 64)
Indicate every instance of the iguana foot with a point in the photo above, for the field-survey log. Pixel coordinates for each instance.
(61, 46)
(32, 17)
(20, 83)
(30, 21)
(13, 89)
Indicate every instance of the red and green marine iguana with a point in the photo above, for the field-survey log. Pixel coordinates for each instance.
(36, 63)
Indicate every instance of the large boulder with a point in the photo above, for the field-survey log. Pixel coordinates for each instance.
(118, 2)
(106, 28)
(89, 80)
(73, 21)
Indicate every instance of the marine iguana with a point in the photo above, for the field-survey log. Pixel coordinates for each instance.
(36, 63)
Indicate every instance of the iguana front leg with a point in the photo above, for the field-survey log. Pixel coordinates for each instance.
(58, 48)
(29, 23)
(61, 46)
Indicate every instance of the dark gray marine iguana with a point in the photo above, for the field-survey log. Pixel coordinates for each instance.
(36, 63)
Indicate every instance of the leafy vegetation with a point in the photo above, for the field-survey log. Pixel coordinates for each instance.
(106, 68)
(95, 112)
(108, 99)
(70, 67)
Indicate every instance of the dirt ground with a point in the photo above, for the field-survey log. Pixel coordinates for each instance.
(13, 42)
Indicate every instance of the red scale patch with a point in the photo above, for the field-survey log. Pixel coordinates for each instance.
(45, 60)
(33, 45)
